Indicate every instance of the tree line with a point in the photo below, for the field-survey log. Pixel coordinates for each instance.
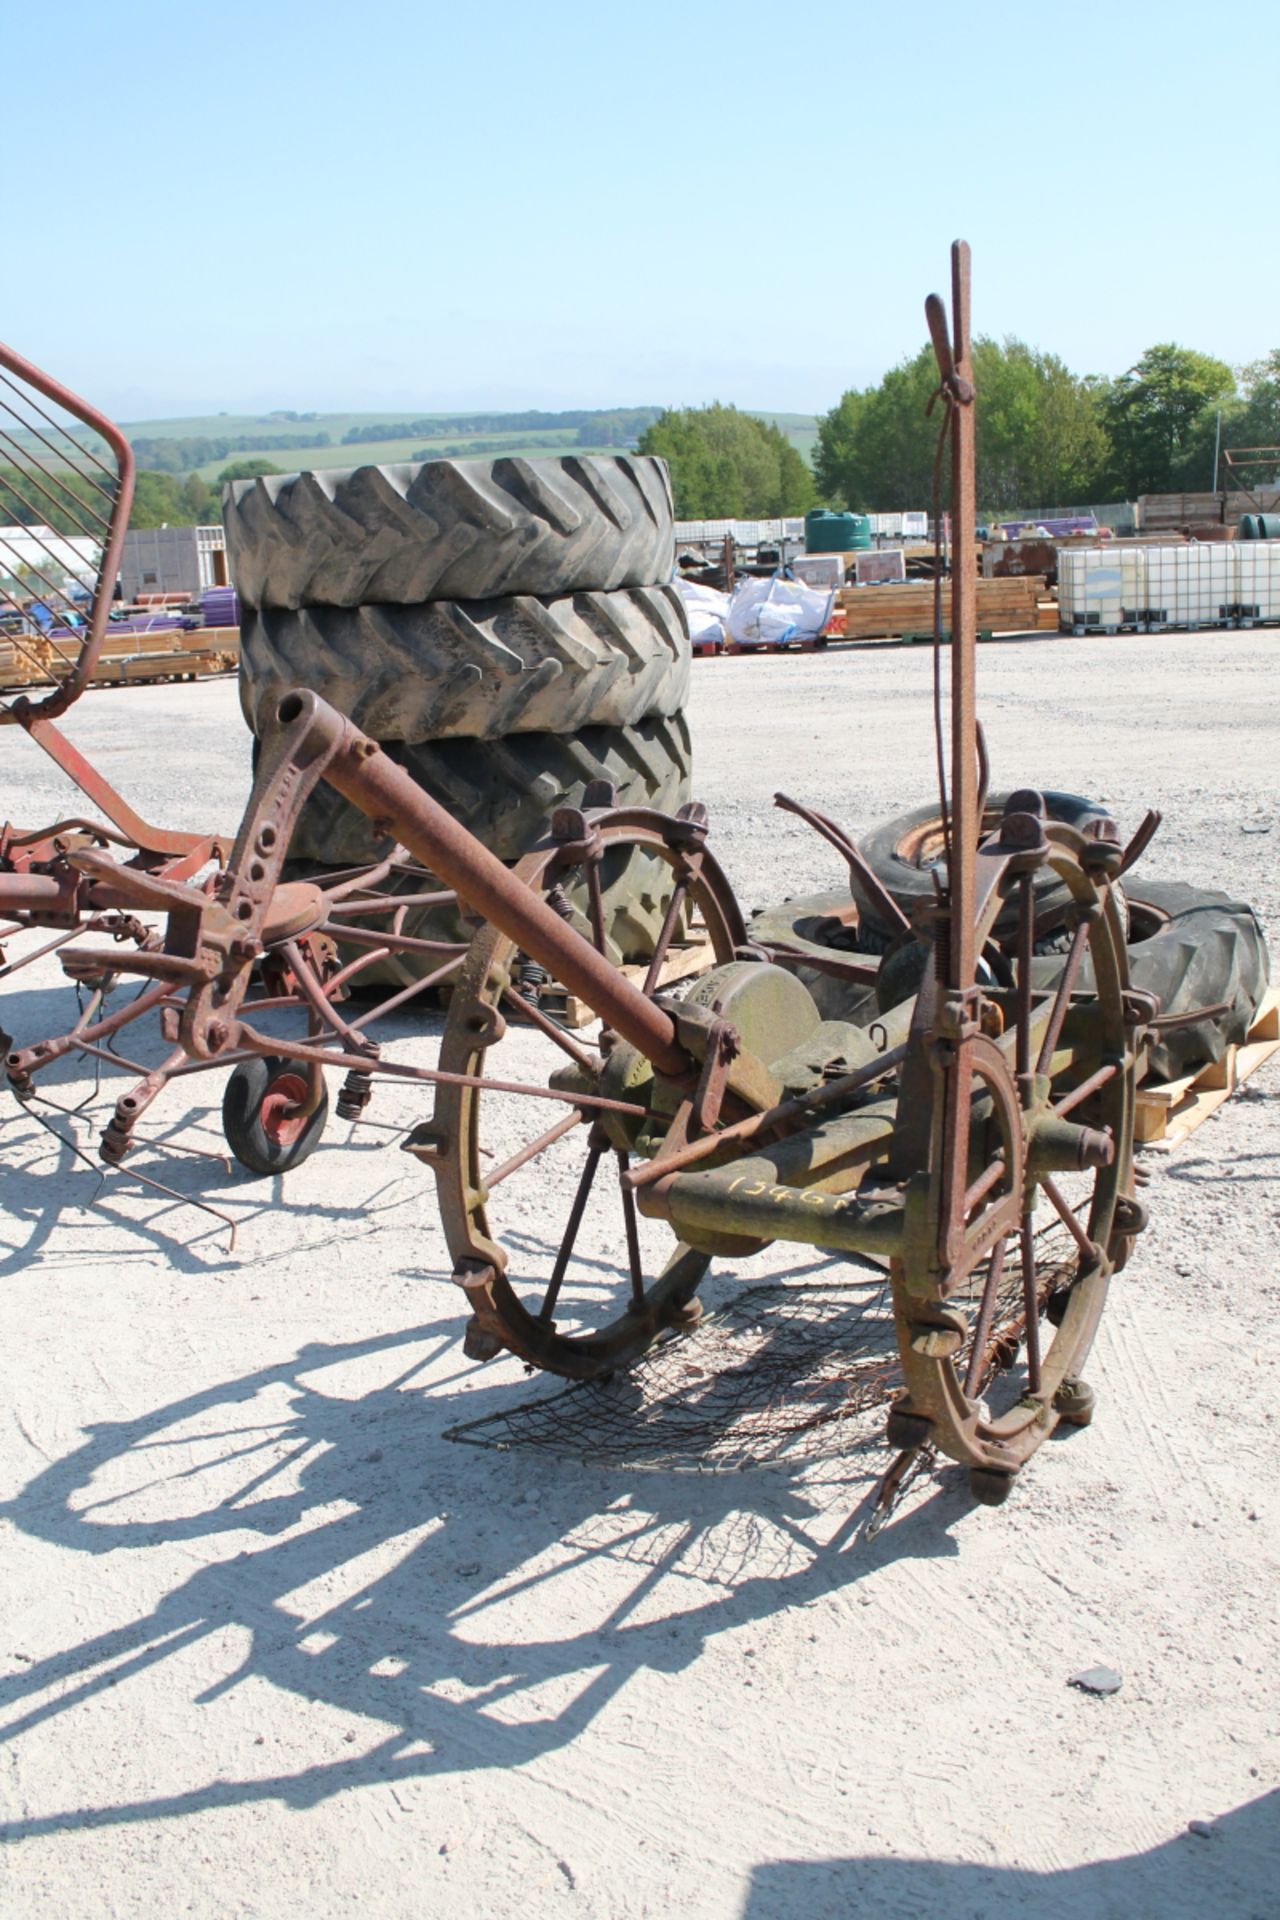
(1047, 436)
(595, 427)
(197, 450)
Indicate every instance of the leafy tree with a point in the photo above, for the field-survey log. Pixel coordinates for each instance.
(157, 501)
(199, 501)
(60, 507)
(1040, 440)
(729, 465)
(247, 470)
(1159, 415)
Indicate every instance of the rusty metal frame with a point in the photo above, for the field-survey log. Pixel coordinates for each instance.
(1003, 1073)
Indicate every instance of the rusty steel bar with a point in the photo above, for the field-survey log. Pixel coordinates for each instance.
(365, 775)
(965, 824)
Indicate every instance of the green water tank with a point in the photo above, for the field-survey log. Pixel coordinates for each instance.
(827, 532)
(1269, 526)
(1248, 529)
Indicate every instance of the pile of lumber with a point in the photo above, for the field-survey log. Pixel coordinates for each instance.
(25, 662)
(905, 609)
(125, 659)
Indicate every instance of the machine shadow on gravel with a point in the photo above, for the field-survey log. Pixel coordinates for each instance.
(1228, 1868)
(409, 1649)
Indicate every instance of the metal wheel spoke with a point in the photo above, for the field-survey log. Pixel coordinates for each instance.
(1066, 987)
(596, 900)
(664, 938)
(1080, 1094)
(1026, 949)
(1068, 1219)
(553, 1031)
(579, 1207)
(986, 1314)
(544, 1140)
(1031, 1304)
(633, 1237)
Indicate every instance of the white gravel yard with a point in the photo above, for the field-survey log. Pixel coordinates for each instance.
(271, 1644)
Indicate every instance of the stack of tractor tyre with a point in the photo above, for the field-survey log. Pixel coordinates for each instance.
(506, 629)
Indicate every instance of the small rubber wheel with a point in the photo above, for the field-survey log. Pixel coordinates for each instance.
(990, 1487)
(1074, 1403)
(264, 1130)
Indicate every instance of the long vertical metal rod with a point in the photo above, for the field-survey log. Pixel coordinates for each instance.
(964, 607)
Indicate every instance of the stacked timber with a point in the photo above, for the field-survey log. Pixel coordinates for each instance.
(126, 658)
(905, 610)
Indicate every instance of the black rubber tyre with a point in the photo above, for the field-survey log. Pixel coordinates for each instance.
(504, 791)
(450, 529)
(477, 669)
(903, 852)
(260, 1137)
(1190, 947)
(828, 925)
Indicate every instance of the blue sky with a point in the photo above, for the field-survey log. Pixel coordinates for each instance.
(389, 204)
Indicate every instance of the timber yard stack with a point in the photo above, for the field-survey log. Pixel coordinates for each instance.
(126, 659)
(905, 610)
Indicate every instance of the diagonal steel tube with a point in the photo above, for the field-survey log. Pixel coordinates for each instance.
(366, 776)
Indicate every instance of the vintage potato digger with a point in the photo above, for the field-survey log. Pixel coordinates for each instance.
(935, 1141)
(67, 475)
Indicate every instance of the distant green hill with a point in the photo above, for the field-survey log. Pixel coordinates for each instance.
(319, 439)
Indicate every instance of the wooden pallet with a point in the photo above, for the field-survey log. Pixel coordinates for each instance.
(1169, 1112)
(683, 962)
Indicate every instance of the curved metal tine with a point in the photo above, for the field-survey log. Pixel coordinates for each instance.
(984, 772)
(935, 313)
(851, 853)
(1141, 840)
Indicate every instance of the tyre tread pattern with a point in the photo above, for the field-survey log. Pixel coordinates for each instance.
(477, 669)
(448, 529)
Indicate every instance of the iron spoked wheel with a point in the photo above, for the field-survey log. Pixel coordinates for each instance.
(993, 1341)
(264, 1117)
(598, 1297)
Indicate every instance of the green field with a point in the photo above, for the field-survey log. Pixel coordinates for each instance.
(800, 429)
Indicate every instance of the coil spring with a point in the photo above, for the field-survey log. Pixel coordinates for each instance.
(354, 1095)
(530, 979)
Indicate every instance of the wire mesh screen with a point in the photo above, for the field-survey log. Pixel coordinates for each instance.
(782, 1375)
(66, 488)
(779, 1375)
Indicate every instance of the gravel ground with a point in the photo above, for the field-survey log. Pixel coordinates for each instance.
(273, 1645)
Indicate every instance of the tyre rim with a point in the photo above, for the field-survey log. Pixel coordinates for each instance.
(280, 1115)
